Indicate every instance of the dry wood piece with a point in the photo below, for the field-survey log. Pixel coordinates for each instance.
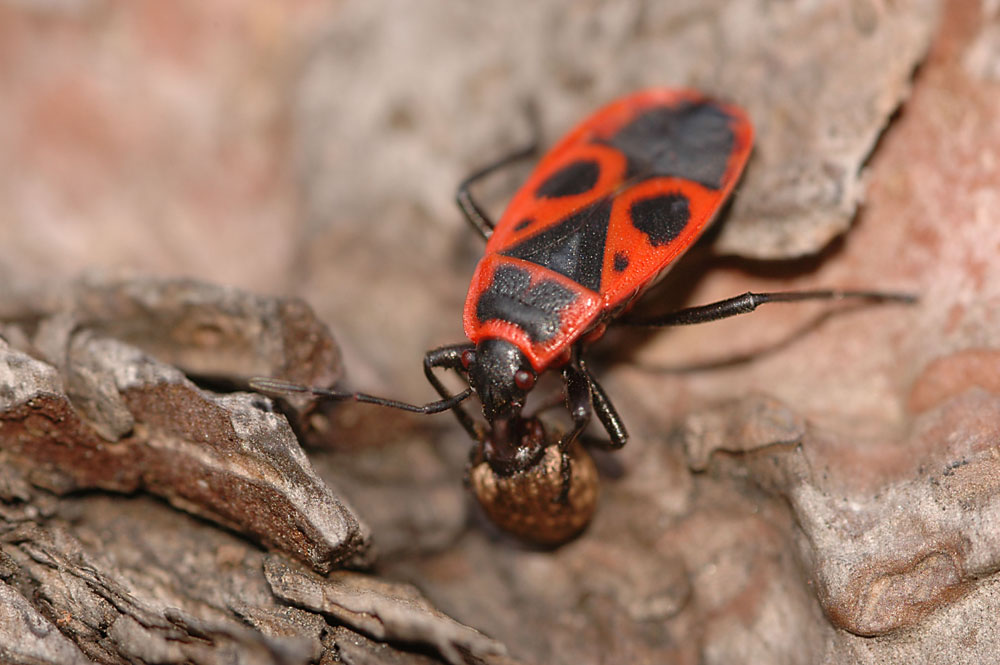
(126, 421)
(119, 579)
(887, 546)
(821, 84)
(26, 636)
(206, 330)
(747, 424)
(384, 610)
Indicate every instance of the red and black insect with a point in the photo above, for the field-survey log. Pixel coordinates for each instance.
(602, 217)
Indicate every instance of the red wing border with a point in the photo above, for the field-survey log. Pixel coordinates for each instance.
(614, 203)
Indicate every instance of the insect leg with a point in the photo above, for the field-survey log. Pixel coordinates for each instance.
(474, 214)
(450, 357)
(578, 400)
(605, 410)
(748, 302)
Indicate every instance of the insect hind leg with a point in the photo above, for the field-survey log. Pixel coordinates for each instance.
(748, 302)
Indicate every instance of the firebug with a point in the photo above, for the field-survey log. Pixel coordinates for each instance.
(604, 214)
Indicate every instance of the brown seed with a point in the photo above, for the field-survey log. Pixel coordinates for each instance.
(528, 504)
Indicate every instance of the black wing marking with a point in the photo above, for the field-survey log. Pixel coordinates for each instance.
(692, 140)
(573, 247)
(535, 309)
(661, 218)
(577, 177)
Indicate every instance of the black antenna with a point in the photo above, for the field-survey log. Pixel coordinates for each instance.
(278, 387)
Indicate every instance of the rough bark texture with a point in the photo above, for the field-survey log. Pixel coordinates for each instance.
(114, 418)
(810, 484)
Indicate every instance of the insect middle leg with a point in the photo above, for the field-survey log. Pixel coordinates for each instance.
(473, 212)
(450, 357)
(578, 403)
(605, 410)
(584, 396)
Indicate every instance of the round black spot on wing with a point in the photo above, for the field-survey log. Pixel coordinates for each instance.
(661, 218)
(574, 178)
(620, 262)
(691, 140)
(523, 224)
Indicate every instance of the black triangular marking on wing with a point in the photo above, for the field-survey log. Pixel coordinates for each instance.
(573, 247)
(692, 140)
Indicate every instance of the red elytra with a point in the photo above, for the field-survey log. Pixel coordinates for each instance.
(691, 151)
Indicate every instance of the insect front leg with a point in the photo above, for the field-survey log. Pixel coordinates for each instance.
(450, 357)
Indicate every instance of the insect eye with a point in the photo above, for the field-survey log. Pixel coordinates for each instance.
(524, 379)
(468, 358)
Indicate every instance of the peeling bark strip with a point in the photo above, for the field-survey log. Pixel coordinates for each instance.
(125, 422)
(130, 580)
(203, 329)
(386, 611)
